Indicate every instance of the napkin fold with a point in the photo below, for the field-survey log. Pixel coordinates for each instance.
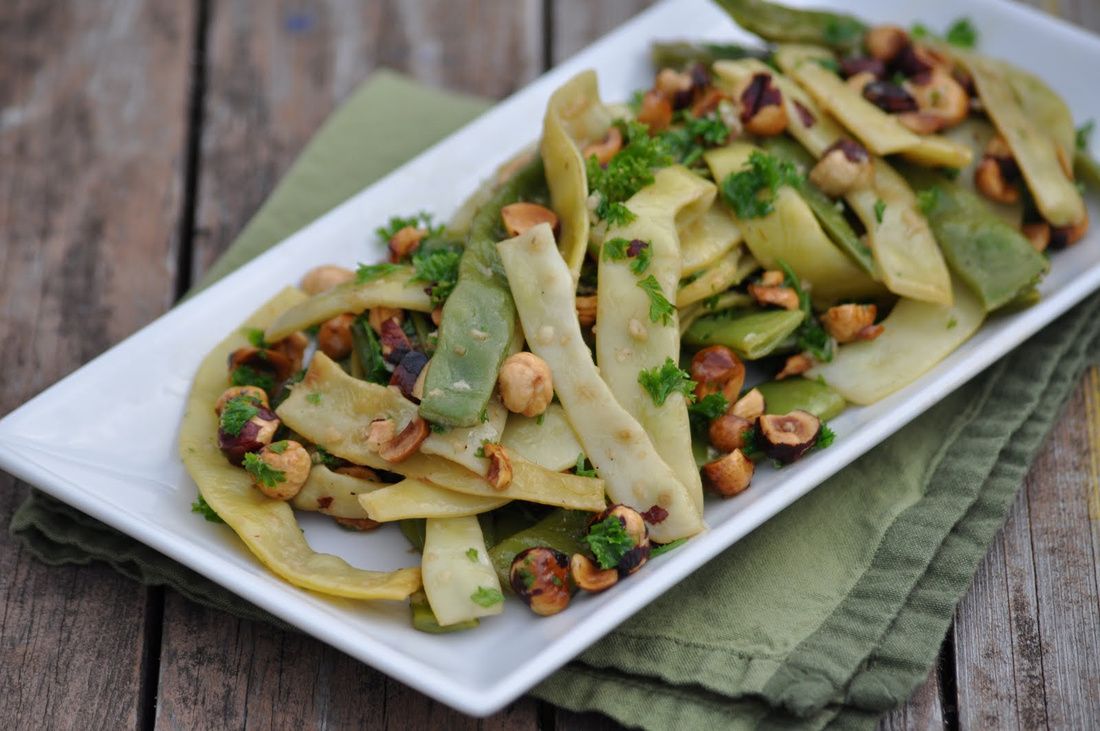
(829, 615)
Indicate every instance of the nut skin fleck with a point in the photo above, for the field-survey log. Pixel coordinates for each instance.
(294, 462)
(786, 437)
(795, 365)
(359, 524)
(395, 343)
(407, 374)
(762, 110)
(325, 277)
(379, 315)
(540, 577)
(1064, 236)
(358, 472)
(526, 384)
(590, 577)
(271, 361)
(729, 475)
(334, 336)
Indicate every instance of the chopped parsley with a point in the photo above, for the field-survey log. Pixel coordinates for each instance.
(262, 472)
(962, 33)
(236, 413)
(811, 336)
(244, 375)
(439, 270)
(1084, 132)
(880, 208)
(526, 577)
(928, 199)
(279, 447)
(486, 597)
(540, 418)
(687, 143)
(829, 64)
(609, 542)
(639, 252)
(483, 416)
(420, 219)
(627, 172)
(437, 428)
(952, 323)
(841, 30)
(471, 553)
(369, 272)
(582, 470)
(203, 508)
(314, 398)
(255, 337)
(323, 457)
(752, 190)
(705, 409)
(751, 450)
(658, 549)
(368, 350)
(666, 379)
(660, 309)
(825, 437)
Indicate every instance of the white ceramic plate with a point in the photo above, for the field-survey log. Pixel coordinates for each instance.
(104, 438)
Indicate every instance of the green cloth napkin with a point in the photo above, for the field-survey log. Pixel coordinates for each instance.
(827, 616)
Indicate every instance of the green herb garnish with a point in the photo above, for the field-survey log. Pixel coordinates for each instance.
(583, 468)
(688, 142)
(752, 190)
(440, 270)
(751, 450)
(314, 398)
(369, 272)
(660, 309)
(609, 542)
(706, 409)
(626, 173)
(811, 336)
(962, 33)
(261, 471)
(279, 447)
(825, 437)
(255, 337)
(639, 252)
(658, 549)
(666, 379)
(420, 219)
(244, 375)
(203, 508)
(237, 412)
(842, 31)
(880, 208)
(928, 199)
(952, 323)
(486, 597)
(471, 553)
(1084, 133)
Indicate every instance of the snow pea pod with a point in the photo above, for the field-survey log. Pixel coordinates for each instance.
(993, 259)
(783, 397)
(479, 318)
(753, 335)
(775, 22)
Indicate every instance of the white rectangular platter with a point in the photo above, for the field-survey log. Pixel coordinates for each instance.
(104, 438)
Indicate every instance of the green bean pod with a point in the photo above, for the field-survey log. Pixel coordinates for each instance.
(562, 530)
(783, 397)
(424, 620)
(679, 54)
(479, 318)
(778, 23)
(752, 336)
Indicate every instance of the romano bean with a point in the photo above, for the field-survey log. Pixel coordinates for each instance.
(753, 335)
(793, 394)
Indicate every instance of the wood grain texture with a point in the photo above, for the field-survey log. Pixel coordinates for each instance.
(277, 70)
(92, 131)
(576, 23)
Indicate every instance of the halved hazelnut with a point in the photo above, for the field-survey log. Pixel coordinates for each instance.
(749, 406)
(586, 309)
(540, 577)
(941, 100)
(407, 373)
(1038, 233)
(845, 166)
(606, 148)
(379, 433)
(717, 369)
(519, 217)
(421, 379)
(272, 362)
(729, 475)
(407, 441)
(359, 472)
(846, 322)
(795, 365)
(762, 110)
(727, 432)
(885, 42)
(379, 315)
(590, 577)
(499, 475)
(359, 524)
(786, 437)
(860, 81)
(784, 297)
(405, 241)
(334, 336)
(325, 277)
(656, 112)
(293, 461)
(437, 316)
(526, 384)
(258, 395)
(293, 347)
(991, 182)
(921, 123)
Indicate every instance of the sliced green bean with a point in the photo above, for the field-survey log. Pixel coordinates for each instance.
(479, 318)
(752, 336)
(775, 22)
(783, 397)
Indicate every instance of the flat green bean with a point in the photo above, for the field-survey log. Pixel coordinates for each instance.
(775, 22)
(783, 397)
(752, 336)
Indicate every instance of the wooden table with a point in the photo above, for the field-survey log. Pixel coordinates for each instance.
(136, 138)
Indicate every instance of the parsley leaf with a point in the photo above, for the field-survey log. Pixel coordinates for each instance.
(666, 379)
(842, 30)
(486, 597)
(752, 190)
(440, 270)
(880, 208)
(324, 457)
(203, 508)
(705, 409)
(279, 447)
(437, 428)
(261, 471)
(811, 336)
(658, 549)
(928, 199)
(237, 413)
(244, 375)
(1084, 132)
(369, 272)
(471, 553)
(255, 337)
(609, 542)
(581, 470)
(952, 323)
(962, 33)
(751, 450)
(825, 437)
(314, 398)
(420, 219)
(639, 252)
(628, 172)
(660, 309)
(688, 142)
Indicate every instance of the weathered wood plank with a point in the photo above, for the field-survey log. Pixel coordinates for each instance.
(274, 72)
(93, 100)
(923, 711)
(576, 23)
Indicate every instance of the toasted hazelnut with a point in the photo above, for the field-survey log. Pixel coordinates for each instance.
(656, 112)
(499, 475)
(634, 525)
(889, 97)
(293, 461)
(885, 42)
(334, 336)
(271, 362)
(749, 406)
(871, 332)
(860, 81)
(784, 297)
(258, 394)
(670, 82)
(606, 148)
(853, 66)
(762, 110)
(407, 373)
(939, 98)
(772, 278)
(845, 322)
(359, 472)
(379, 315)
(786, 437)
(845, 166)
(1064, 236)
(590, 577)
(293, 346)
(379, 433)
(540, 577)
(526, 384)
(729, 475)
(437, 316)
(405, 241)
(707, 102)
(359, 524)
(990, 181)
(921, 123)
(727, 432)
(796, 365)
(717, 369)
(586, 309)
(406, 443)
(254, 435)
(519, 217)
(325, 277)
(394, 342)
